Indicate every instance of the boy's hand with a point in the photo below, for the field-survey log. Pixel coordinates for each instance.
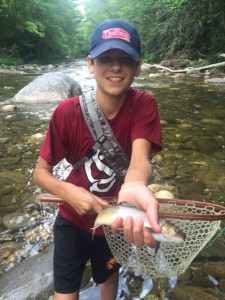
(83, 201)
(134, 231)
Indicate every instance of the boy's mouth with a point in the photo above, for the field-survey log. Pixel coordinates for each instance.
(115, 79)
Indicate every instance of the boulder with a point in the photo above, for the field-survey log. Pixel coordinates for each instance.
(51, 87)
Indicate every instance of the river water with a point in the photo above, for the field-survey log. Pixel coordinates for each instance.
(193, 125)
(191, 165)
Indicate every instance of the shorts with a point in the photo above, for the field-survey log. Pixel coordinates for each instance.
(73, 248)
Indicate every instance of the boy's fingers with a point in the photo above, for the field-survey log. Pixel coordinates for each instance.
(116, 225)
(152, 214)
(128, 229)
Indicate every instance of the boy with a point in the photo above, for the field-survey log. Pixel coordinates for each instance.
(115, 59)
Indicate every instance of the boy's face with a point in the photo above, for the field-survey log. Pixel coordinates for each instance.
(114, 71)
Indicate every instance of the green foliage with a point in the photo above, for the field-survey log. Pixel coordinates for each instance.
(42, 30)
(47, 31)
(33, 27)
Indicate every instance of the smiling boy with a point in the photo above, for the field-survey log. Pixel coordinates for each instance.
(115, 59)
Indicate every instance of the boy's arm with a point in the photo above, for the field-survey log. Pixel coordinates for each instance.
(77, 197)
(135, 190)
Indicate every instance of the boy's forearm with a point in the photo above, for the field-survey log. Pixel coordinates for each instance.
(48, 182)
(140, 173)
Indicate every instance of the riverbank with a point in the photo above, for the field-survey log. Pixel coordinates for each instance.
(166, 67)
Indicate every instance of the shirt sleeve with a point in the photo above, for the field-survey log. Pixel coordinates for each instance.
(56, 143)
(146, 123)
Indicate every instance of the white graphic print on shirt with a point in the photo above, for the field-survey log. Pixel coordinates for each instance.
(99, 185)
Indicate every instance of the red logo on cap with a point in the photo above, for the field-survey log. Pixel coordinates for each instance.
(116, 33)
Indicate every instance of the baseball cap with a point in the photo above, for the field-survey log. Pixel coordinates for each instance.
(115, 34)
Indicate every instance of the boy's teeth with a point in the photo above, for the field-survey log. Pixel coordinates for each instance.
(114, 78)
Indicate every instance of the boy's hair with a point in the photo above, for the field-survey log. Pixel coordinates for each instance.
(115, 34)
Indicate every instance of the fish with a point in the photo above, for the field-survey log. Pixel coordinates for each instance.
(169, 233)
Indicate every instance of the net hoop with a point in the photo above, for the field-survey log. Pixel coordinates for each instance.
(213, 212)
(198, 221)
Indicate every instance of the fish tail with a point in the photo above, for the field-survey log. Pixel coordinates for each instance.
(157, 246)
(94, 228)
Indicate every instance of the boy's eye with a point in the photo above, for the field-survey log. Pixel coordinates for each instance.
(105, 59)
(121, 60)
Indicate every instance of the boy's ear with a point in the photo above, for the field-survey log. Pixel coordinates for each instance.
(138, 70)
(90, 64)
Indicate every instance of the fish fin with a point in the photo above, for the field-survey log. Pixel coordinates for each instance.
(94, 228)
(127, 204)
(157, 246)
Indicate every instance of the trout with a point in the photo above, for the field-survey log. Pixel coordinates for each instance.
(169, 233)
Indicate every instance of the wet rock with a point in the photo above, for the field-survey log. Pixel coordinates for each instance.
(9, 107)
(188, 292)
(5, 237)
(212, 121)
(222, 285)
(215, 80)
(50, 87)
(186, 276)
(214, 250)
(6, 250)
(31, 280)
(151, 297)
(204, 282)
(155, 188)
(216, 293)
(164, 194)
(9, 161)
(215, 269)
(5, 190)
(4, 140)
(191, 190)
(16, 220)
(169, 170)
(36, 139)
(196, 269)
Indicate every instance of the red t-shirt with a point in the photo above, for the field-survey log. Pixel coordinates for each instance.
(68, 137)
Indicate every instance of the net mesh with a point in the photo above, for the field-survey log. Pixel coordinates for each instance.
(171, 259)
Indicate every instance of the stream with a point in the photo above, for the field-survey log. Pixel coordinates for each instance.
(191, 165)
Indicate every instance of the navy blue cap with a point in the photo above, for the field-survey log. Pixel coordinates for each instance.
(115, 34)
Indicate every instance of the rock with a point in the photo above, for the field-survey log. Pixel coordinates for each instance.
(16, 220)
(164, 194)
(217, 249)
(191, 190)
(188, 292)
(215, 80)
(155, 188)
(215, 269)
(9, 107)
(31, 280)
(153, 75)
(36, 138)
(50, 87)
(222, 285)
(6, 237)
(179, 75)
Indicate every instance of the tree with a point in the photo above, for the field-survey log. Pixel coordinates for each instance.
(42, 30)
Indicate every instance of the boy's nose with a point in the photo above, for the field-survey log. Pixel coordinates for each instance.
(116, 62)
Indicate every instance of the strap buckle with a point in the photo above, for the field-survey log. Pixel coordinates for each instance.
(101, 140)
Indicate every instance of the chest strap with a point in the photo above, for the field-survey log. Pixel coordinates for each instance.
(103, 136)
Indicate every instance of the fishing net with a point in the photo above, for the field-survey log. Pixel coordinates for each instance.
(199, 222)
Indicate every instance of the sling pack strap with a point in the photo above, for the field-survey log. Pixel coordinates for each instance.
(103, 136)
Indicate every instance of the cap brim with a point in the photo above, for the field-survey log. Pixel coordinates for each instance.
(115, 44)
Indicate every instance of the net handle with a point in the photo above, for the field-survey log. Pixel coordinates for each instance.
(218, 209)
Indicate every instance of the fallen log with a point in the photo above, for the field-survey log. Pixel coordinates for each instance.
(189, 69)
